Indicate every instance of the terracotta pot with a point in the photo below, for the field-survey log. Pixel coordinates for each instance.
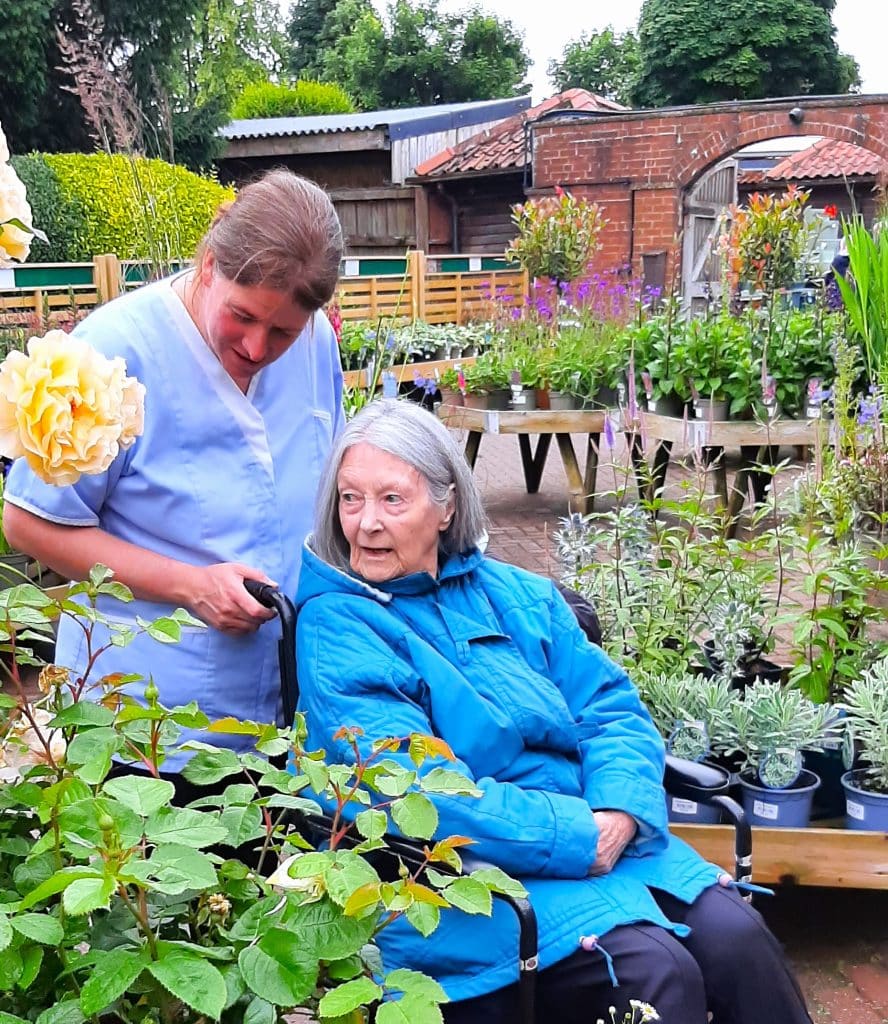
(542, 398)
(451, 396)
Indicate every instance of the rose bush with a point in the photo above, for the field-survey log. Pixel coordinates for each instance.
(66, 408)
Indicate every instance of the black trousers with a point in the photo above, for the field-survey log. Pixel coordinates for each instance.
(731, 964)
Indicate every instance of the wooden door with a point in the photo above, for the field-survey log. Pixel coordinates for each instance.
(704, 205)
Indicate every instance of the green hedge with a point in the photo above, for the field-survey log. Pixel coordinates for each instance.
(301, 99)
(135, 207)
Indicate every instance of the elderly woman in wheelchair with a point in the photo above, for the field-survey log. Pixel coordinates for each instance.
(405, 626)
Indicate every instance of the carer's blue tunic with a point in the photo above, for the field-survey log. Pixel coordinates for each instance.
(217, 476)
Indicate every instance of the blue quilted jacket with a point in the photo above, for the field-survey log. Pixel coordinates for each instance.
(490, 658)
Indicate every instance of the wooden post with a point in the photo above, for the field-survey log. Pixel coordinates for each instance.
(417, 269)
(107, 276)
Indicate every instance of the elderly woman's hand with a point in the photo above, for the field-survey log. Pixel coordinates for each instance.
(615, 832)
(220, 600)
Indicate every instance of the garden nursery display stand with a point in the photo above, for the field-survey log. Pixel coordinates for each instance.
(831, 857)
(756, 441)
(545, 423)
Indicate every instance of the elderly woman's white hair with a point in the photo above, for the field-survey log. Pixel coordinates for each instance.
(417, 437)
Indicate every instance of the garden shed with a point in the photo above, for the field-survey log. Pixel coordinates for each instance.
(471, 187)
(364, 161)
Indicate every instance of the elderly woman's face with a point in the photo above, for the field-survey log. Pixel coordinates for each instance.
(389, 520)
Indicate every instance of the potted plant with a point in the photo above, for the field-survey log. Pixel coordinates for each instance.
(772, 724)
(656, 345)
(693, 717)
(487, 383)
(866, 788)
(121, 905)
(452, 385)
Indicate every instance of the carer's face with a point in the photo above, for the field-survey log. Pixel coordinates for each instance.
(389, 520)
(246, 327)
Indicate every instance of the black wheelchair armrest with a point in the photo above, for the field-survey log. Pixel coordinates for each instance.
(705, 784)
(692, 780)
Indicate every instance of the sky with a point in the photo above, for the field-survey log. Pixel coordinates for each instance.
(548, 25)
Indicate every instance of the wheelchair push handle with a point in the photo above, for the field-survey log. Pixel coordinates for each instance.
(270, 597)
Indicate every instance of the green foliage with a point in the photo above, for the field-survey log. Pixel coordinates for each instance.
(146, 37)
(605, 62)
(694, 51)
(420, 54)
(866, 702)
(768, 238)
(60, 216)
(865, 296)
(98, 203)
(773, 719)
(234, 43)
(25, 28)
(309, 34)
(270, 99)
(117, 902)
(557, 236)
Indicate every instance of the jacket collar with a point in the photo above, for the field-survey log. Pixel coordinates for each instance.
(317, 577)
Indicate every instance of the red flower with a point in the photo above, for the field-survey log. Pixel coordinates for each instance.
(831, 211)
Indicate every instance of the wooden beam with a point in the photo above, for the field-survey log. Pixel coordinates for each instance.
(834, 857)
(295, 145)
(395, 192)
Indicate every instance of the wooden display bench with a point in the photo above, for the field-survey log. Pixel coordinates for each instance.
(833, 857)
(756, 441)
(545, 423)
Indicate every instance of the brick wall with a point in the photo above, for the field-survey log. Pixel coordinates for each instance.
(639, 165)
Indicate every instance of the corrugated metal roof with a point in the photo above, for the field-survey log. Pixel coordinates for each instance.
(828, 158)
(502, 147)
(401, 123)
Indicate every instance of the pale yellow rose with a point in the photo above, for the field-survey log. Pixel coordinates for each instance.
(66, 408)
(15, 244)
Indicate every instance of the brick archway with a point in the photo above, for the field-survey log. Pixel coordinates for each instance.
(639, 164)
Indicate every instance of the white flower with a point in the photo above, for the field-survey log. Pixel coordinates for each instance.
(648, 1013)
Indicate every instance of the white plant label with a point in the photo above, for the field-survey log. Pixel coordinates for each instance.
(764, 810)
(683, 806)
(855, 810)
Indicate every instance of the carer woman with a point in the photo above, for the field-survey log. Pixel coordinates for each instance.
(404, 626)
(243, 400)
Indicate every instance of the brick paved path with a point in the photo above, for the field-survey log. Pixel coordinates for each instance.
(838, 939)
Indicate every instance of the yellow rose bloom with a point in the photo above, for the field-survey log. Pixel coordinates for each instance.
(66, 408)
(15, 244)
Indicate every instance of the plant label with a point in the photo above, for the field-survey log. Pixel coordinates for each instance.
(683, 806)
(855, 810)
(761, 809)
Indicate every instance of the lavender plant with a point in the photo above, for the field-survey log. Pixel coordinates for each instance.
(866, 703)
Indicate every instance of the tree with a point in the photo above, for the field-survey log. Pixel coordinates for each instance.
(234, 44)
(24, 31)
(142, 41)
(309, 35)
(603, 62)
(696, 51)
(419, 55)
